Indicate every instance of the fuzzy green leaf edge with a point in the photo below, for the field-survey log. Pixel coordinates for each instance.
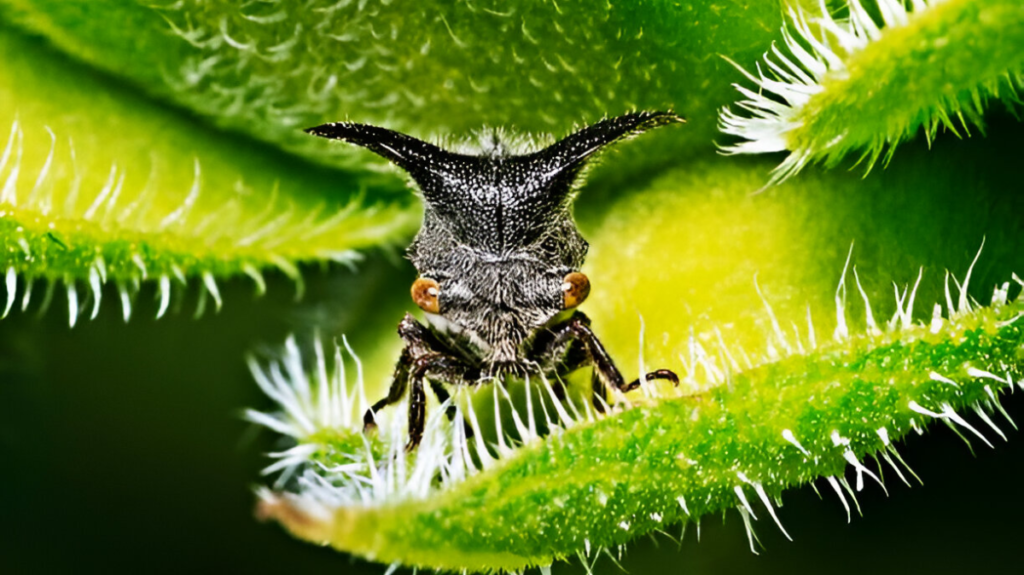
(864, 83)
(544, 480)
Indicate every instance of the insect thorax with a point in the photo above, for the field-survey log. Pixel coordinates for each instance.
(500, 276)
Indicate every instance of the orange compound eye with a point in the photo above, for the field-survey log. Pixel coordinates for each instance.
(425, 292)
(576, 287)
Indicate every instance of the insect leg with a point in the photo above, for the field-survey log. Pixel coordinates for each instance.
(418, 342)
(666, 374)
(605, 372)
(417, 405)
(568, 348)
(398, 385)
(444, 367)
(603, 364)
(600, 392)
(417, 337)
(443, 396)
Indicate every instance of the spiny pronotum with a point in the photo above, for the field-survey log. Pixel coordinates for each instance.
(499, 260)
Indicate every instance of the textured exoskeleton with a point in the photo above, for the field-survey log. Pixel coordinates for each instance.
(499, 259)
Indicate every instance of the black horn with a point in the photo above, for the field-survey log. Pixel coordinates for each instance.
(571, 153)
(406, 152)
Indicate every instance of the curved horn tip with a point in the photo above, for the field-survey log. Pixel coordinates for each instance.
(320, 130)
(662, 117)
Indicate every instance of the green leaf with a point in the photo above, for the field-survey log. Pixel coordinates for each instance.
(597, 484)
(866, 83)
(100, 185)
(430, 68)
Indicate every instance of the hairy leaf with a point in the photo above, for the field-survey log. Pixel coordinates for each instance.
(864, 83)
(99, 185)
(426, 68)
(598, 483)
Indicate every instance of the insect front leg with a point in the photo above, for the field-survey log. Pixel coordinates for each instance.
(399, 383)
(605, 372)
(418, 342)
(422, 356)
(444, 367)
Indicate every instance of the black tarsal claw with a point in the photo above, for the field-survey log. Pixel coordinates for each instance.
(665, 374)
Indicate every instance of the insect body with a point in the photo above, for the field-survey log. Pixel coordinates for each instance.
(499, 259)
